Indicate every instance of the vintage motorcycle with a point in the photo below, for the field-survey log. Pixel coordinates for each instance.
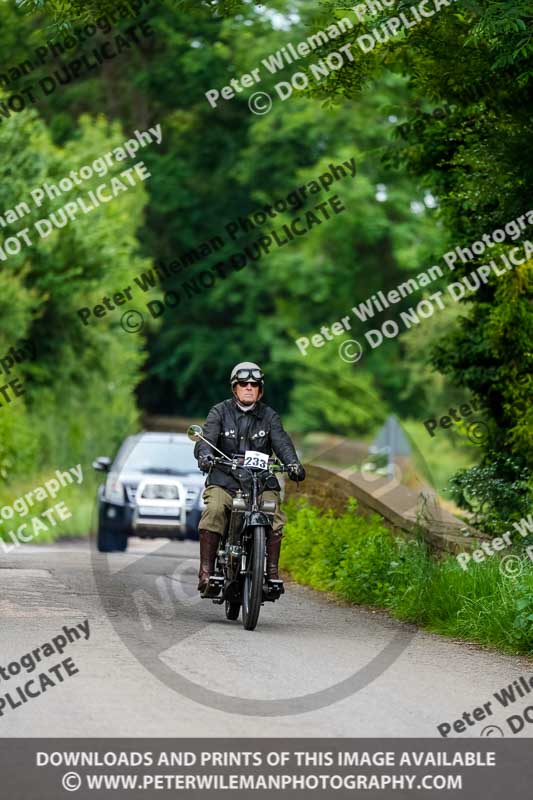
(240, 577)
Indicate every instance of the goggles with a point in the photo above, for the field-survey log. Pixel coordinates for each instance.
(248, 375)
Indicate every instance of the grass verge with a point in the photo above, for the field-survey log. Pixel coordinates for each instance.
(361, 561)
(37, 519)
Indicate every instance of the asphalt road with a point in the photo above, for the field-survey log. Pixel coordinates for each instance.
(161, 662)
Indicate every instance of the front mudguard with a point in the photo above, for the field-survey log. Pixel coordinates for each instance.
(260, 518)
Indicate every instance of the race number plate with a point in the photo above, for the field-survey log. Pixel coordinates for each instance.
(254, 459)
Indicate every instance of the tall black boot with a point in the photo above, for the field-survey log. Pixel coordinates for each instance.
(208, 553)
(273, 550)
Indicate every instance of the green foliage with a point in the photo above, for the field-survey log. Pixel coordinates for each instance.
(473, 63)
(428, 392)
(218, 164)
(329, 394)
(79, 501)
(361, 561)
(76, 401)
(439, 457)
(490, 354)
(496, 491)
(522, 630)
(18, 447)
(472, 60)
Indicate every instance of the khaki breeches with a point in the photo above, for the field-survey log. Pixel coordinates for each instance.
(216, 514)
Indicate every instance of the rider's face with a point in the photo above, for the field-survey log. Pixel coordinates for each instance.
(246, 394)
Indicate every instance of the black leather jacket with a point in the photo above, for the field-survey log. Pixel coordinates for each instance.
(235, 431)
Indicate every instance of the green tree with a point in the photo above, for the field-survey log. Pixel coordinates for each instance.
(76, 398)
(475, 61)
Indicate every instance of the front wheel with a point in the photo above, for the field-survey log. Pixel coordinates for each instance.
(253, 580)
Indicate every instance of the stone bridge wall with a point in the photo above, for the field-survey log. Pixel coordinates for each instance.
(404, 511)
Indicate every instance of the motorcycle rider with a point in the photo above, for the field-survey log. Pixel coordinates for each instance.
(235, 425)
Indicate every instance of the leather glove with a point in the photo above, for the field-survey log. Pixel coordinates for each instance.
(205, 463)
(296, 472)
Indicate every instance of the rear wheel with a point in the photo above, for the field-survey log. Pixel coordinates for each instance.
(232, 610)
(253, 580)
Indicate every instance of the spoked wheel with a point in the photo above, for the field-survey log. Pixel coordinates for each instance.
(232, 610)
(253, 580)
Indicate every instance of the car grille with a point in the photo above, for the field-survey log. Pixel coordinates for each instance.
(189, 502)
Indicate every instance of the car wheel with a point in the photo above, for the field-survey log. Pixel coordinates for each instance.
(111, 541)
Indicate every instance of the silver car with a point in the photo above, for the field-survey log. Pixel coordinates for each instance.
(153, 488)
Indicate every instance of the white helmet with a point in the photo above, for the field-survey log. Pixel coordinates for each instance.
(247, 371)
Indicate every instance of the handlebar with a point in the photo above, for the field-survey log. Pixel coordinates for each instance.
(238, 461)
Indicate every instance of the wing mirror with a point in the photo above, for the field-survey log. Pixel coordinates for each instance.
(195, 433)
(102, 464)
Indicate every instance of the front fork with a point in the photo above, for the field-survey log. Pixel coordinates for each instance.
(240, 523)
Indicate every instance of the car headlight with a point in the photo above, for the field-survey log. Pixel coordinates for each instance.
(169, 492)
(157, 491)
(114, 490)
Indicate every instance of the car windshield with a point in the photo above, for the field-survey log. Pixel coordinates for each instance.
(164, 458)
